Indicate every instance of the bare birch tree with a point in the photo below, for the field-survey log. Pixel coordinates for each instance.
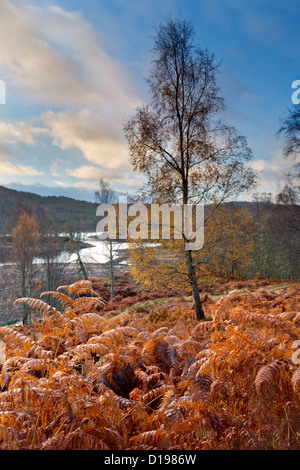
(106, 195)
(180, 140)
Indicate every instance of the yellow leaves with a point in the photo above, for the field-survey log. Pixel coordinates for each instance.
(25, 237)
(228, 245)
(228, 242)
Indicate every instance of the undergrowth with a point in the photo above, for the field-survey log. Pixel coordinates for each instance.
(92, 375)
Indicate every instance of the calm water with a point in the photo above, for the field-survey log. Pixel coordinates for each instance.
(97, 253)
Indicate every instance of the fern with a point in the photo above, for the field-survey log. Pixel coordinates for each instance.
(296, 381)
(86, 302)
(39, 306)
(153, 397)
(65, 300)
(158, 439)
(81, 288)
(144, 379)
(23, 343)
(118, 336)
(269, 375)
(76, 286)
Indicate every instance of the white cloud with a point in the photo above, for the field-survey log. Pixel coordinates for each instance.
(10, 169)
(12, 135)
(33, 64)
(19, 133)
(56, 56)
(100, 143)
(258, 165)
(87, 173)
(270, 170)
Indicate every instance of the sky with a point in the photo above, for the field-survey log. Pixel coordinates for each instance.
(74, 71)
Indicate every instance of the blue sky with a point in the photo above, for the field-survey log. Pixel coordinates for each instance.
(75, 70)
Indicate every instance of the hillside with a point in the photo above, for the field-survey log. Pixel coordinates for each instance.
(139, 373)
(58, 208)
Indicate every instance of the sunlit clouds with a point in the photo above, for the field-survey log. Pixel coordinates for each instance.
(55, 58)
(74, 72)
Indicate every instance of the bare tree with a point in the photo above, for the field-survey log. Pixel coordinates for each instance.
(105, 194)
(179, 140)
(111, 254)
(290, 130)
(289, 186)
(52, 245)
(76, 241)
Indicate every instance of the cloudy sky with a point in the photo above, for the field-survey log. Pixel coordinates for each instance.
(75, 70)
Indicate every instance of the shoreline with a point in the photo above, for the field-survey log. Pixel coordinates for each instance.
(69, 272)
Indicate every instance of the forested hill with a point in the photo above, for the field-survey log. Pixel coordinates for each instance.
(59, 209)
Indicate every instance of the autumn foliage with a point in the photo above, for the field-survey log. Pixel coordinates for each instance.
(226, 253)
(151, 377)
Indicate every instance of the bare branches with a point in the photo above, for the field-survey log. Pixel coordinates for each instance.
(178, 140)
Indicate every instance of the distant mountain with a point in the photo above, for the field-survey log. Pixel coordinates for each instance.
(60, 209)
(80, 213)
(82, 194)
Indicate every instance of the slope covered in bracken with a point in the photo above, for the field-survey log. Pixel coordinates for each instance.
(139, 372)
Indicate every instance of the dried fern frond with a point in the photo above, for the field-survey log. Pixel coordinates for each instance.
(257, 319)
(65, 300)
(54, 323)
(7, 438)
(296, 381)
(76, 286)
(118, 374)
(81, 288)
(271, 433)
(75, 440)
(23, 343)
(203, 381)
(74, 357)
(92, 323)
(86, 302)
(219, 390)
(160, 352)
(89, 292)
(149, 381)
(269, 375)
(39, 306)
(152, 397)
(37, 367)
(118, 336)
(203, 327)
(159, 333)
(222, 309)
(158, 439)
